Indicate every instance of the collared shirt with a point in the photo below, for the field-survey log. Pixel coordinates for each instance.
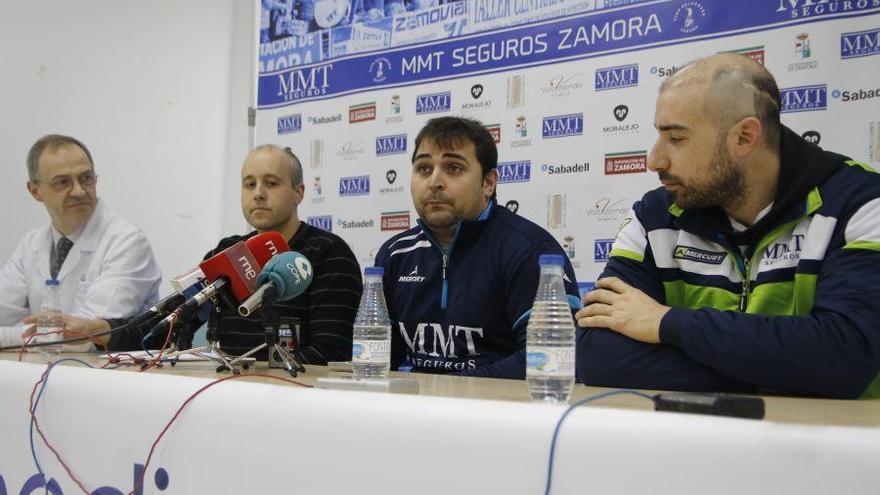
(110, 271)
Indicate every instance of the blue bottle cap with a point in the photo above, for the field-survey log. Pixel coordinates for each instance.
(52, 281)
(374, 270)
(551, 259)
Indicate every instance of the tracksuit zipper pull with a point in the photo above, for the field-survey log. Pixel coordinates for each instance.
(744, 297)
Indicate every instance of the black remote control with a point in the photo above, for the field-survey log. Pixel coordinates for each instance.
(717, 404)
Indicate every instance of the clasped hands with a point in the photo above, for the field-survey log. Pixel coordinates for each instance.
(620, 307)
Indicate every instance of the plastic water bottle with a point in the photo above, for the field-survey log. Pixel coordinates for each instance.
(550, 337)
(371, 339)
(49, 320)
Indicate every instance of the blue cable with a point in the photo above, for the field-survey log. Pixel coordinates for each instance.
(572, 408)
(34, 411)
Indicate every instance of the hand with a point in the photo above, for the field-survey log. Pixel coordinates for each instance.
(74, 327)
(616, 305)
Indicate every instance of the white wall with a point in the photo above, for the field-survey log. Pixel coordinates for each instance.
(158, 91)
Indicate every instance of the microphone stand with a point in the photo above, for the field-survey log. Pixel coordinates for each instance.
(211, 350)
(271, 322)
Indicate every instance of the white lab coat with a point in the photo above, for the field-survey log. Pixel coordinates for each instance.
(110, 272)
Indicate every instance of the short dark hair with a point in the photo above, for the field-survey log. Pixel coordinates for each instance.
(296, 169)
(448, 132)
(51, 142)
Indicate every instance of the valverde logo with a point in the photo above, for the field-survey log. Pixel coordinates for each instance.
(699, 255)
(627, 162)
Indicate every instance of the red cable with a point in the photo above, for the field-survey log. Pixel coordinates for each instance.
(32, 336)
(161, 434)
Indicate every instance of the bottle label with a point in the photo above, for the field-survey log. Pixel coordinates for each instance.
(550, 361)
(371, 351)
(50, 337)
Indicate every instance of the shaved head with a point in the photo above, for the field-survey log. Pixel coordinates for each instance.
(733, 87)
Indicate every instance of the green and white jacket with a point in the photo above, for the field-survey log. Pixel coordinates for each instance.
(797, 311)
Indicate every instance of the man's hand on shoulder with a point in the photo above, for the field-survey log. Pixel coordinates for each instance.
(616, 305)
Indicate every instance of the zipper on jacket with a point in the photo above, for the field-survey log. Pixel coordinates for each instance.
(445, 283)
(744, 296)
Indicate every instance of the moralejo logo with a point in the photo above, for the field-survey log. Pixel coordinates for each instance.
(812, 137)
(628, 162)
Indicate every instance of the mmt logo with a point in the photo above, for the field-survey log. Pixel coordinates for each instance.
(563, 125)
(514, 172)
(622, 76)
(303, 83)
(322, 222)
(804, 98)
(602, 250)
(354, 186)
(860, 44)
(391, 145)
(289, 124)
(433, 103)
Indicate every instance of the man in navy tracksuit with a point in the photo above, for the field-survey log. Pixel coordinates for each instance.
(754, 269)
(459, 285)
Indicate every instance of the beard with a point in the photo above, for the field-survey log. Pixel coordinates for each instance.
(720, 184)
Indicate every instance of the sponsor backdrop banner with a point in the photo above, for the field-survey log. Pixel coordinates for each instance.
(567, 87)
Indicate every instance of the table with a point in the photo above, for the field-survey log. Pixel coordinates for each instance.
(459, 435)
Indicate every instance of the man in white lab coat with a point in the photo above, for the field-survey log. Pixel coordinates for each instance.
(104, 264)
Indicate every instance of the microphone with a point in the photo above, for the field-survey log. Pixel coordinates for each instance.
(234, 267)
(266, 245)
(185, 285)
(288, 275)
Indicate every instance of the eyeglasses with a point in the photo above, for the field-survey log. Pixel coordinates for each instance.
(65, 182)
